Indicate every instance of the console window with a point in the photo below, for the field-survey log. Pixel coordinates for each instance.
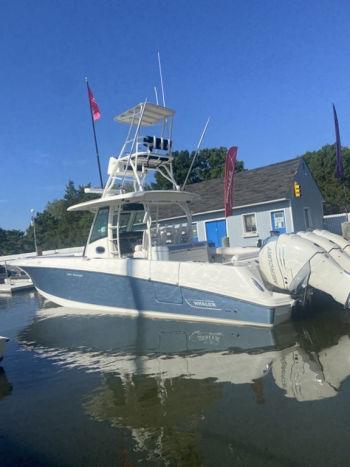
(100, 228)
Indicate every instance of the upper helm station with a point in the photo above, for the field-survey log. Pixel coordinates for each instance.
(147, 148)
(128, 216)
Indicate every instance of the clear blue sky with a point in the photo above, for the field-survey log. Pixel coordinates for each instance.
(265, 71)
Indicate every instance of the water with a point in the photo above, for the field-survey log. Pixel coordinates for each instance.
(97, 389)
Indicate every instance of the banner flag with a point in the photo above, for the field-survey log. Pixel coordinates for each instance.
(228, 181)
(339, 155)
(96, 114)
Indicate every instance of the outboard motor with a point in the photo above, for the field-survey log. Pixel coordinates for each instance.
(291, 263)
(330, 247)
(338, 239)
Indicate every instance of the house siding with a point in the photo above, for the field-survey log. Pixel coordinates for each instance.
(234, 223)
(310, 198)
(293, 208)
(263, 223)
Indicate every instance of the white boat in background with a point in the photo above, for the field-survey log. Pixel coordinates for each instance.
(12, 285)
(137, 262)
(3, 341)
(13, 280)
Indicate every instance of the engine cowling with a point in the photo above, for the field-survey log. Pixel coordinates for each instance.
(333, 249)
(344, 244)
(291, 263)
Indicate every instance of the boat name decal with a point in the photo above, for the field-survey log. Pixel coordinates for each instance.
(199, 303)
(74, 274)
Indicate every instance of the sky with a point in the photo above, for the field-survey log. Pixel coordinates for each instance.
(266, 72)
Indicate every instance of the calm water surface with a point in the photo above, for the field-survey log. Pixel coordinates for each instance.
(89, 389)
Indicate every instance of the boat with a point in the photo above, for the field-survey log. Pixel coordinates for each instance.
(12, 285)
(135, 261)
(3, 341)
(13, 280)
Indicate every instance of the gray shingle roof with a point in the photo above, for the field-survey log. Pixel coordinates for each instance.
(254, 186)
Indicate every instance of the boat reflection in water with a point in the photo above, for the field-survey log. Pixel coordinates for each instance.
(5, 386)
(308, 360)
(160, 378)
(164, 348)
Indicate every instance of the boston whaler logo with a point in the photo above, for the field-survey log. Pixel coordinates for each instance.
(199, 303)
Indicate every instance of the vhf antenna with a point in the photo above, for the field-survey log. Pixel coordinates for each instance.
(156, 93)
(196, 153)
(161, 79)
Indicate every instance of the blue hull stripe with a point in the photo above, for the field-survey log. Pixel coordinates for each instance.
(119, 291)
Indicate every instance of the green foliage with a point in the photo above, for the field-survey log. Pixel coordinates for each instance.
(210, 163)
(55, 227)
(11, 241)
(322, 164)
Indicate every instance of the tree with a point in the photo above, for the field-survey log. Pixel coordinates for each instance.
(58, 228)
(11, 241)
(336, 192)
(210, 163)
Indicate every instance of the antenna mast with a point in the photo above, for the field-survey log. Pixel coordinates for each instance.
(156, 93)
(196, 153)
(161, 78)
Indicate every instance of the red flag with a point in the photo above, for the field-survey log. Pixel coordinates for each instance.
(228, 184)
(96, 114)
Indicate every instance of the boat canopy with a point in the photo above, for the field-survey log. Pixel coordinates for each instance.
(157, 197)
(152, 114)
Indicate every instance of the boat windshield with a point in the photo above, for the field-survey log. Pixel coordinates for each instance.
(131, 228)
(100, 228)
(133, 232)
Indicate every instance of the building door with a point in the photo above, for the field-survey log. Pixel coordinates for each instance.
(278, 221)
(216, 231)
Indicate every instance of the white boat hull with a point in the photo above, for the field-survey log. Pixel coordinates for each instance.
(202, 291)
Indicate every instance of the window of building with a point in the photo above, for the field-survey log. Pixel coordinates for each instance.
(307, 218)
(249, 224)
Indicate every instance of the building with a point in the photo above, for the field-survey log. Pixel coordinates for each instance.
(282, 197)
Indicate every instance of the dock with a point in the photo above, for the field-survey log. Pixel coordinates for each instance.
(15, 285)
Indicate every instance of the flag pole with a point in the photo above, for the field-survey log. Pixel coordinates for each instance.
(94, 133)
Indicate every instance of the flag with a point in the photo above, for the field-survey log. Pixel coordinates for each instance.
(95, 111)
(228, 181)
(339, 155)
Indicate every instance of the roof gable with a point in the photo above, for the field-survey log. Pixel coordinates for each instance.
(249, 187)
(253, 186)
